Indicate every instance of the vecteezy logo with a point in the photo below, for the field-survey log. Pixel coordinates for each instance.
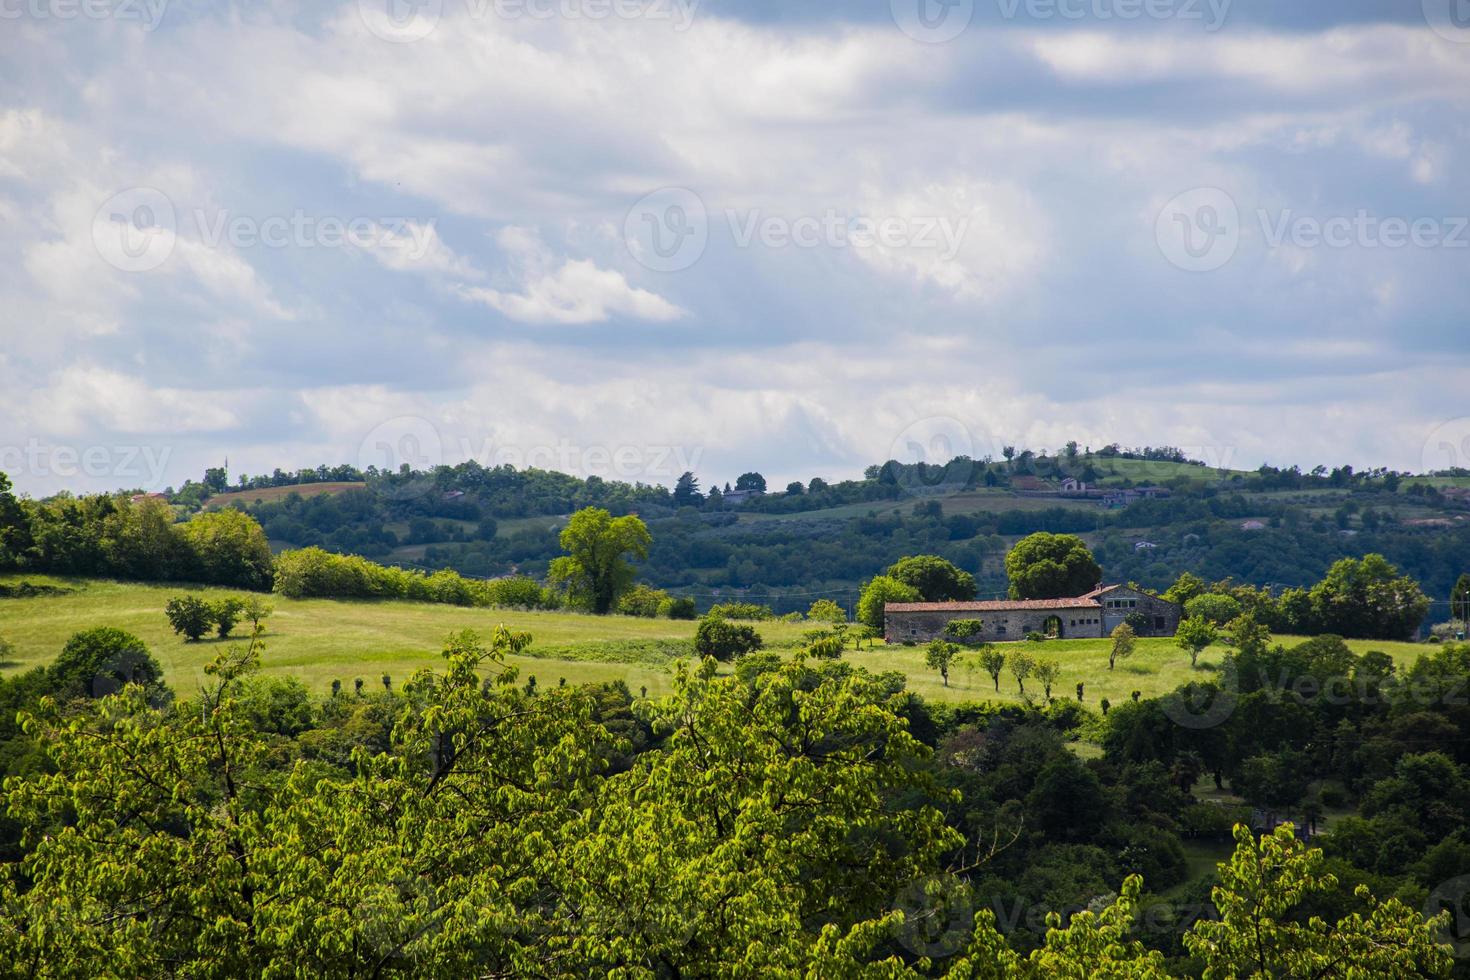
(926, 452)
(938, 916)
(135, 229)
(932, 21)
(1199, 230)
(666, 231)
(1199, 706)
(1450, 19)
(1447, 447)
(400, 21)
(408, 446)
(1452, 895)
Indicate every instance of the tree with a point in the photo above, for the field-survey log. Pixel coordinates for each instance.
(190, 615)
(717, 637)
(1460, 599)
(1051, 566)
(97, 662)
(229, 548)
(1216, 607)
(880, 591)
(939, 656)
(1048, 672)
(216, 479)
(816, 485)
(936, 579)
(15, 527)
(1124, 642)
(964, 630)
(595, 570)
(686, 491)
(256, 610)
(1194, 634)
(751, 481)
(1368, 599)
(227, 612)
(1022, 666)
(993, 661)
(826, 611)
(795, 489)
(1185, 587)
(1260, 933)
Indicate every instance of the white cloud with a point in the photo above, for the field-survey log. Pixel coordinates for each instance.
(574, 291)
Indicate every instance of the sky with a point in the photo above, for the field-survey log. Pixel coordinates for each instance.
(634, 237)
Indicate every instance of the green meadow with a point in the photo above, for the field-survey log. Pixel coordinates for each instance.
(321, 640)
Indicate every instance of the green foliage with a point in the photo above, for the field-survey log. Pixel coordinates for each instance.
(1213, 607)
(993, 661)
(935, 579)
(826, 647)
(1048, 672)
(681, 607)
(517, 592)
(721, 639)
(1051, 566)
(595, 570)
(877, 593)
(1368, 598)
(826, 611)
(940, 655)
(1194, 634)
(642, 600)
(1260, 934)
(1460, 599)
(964, 630)
(226, 613)
(229, 548)
(1022, 665)
(753, 611)
(1125, 641)
(98, 662)
(191, 616)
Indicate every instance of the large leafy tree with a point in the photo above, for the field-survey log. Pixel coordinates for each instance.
(1368, 599)
(595, 569)
(880, 591)
(1051, 566)
(229, 548)
(936, 579)
(15, 526)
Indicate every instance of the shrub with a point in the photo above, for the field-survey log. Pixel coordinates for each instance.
(742, 610)
(642, 600)
(681, 607)
(826, 611)
(964, 630)
(1213, 606)
(517, 592)
(226, 614)
(717, 637)
(190, 615)
(826, 647)
(98, 662)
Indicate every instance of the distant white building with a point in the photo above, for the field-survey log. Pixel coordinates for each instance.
(738, 497)
(1144, 545)
(1253, 526)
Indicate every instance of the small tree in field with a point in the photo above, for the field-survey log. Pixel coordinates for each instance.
(1022, 665)
(826, 611)
(940, 655)
(964, 630)
(1124, 642)
(256, 610)
(1048, 672)
(994, 661)
(1196, 633)
(190, 615)
(716, 637)
(226, 614)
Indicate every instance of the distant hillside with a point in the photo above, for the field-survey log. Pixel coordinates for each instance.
(1148, 519)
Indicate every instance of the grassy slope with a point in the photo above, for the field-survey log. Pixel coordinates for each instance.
(272, 494)
(318, 640)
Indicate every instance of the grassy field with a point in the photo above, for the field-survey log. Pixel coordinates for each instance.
(319, 640)
(267, 495)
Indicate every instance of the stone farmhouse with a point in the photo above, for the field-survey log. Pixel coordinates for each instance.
(1093, 615)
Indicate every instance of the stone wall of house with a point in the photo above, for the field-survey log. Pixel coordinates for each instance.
(1161, 618)
(921, 627)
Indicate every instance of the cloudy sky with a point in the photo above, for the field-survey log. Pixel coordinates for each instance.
(630, 237)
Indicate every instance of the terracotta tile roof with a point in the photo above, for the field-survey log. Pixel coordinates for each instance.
(992, 605)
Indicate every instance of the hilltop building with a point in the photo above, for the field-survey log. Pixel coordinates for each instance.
(1093, 615)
